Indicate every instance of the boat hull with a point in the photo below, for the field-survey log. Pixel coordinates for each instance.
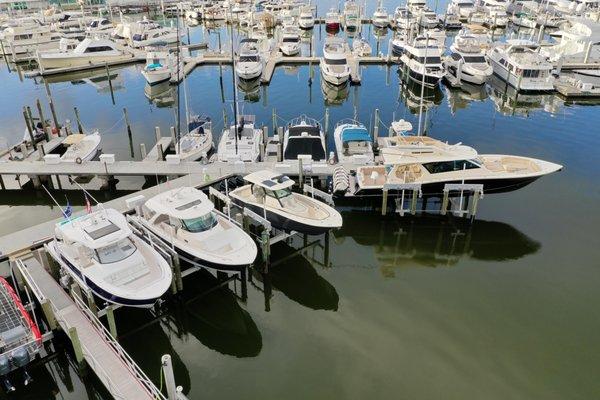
(71, 62)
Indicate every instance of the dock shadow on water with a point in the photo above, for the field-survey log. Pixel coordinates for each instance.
(433, 240)
(213, 315)
(293, 274)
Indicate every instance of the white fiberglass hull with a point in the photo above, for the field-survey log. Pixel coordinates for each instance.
(71, 61)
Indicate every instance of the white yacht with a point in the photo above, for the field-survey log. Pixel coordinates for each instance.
(403, 148)
(428, 18)
(519, 63)
(91, 51)
(241, 141)
(304, 136)
(381, 18)
(451, 21)
(186, 220)
(100, 252)
(496, 17)
(157, 36)
(28, 39)
(269, 194)
(198, 142)
(416, 5)
(99, 25)
(334, 65)
(398, 43)
(351, 16)
(161, 66)
(81, 147)
(353, 143)
(423, 62)
(290, 41)
(404, 18)
(306, 19)
(467, 63)
(332, 21)
(249, 64)
(576, 36)
(461, 7)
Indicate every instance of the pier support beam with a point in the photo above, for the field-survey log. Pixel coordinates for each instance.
(77, 348)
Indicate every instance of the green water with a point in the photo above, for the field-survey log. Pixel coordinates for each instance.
(405, 308)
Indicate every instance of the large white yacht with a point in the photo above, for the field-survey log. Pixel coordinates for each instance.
(91, 51)
(306, 19)
(381, 18)
(100, 252)
(241, 141)
(353, 143)
(29, 38)
(467, 63)
(249, 64)
(334, 65)
(428, 18)
(290, 41)
(185, 219)
(351, 16)
(518, 63)
(461, 7)
(304, 136)
(269, 194)
(422, 59)
(158, 36)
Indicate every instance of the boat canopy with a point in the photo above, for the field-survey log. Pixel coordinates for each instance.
(357, 134)
(269, 180)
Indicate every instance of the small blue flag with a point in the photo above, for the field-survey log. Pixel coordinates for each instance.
(68, 210)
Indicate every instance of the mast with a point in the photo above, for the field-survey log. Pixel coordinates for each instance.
(177, 124)
(235, 110)
(423, 84)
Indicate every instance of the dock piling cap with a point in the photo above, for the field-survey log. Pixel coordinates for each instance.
(269, 180)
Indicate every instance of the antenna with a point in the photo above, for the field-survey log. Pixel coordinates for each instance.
(54, 200)
(86, 192)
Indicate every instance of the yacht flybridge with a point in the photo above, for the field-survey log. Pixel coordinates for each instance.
(269, 194)
(185, 219)
(100, 252)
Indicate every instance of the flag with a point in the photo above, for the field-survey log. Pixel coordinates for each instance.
(88, 206)
(68, 210)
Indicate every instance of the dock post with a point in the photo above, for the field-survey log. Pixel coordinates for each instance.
(445, 203)
(384, 201)
(143, 150)
(274, 117)
(42, 151)
(588, 49)
(51, 104)
(79, 127)
(126, 121)
(38, 104)
(413, 203)
(224, 119)
(300, 173)
(177, 268)
(167, 370)
(173, 137)
(76, 346)
(326, 121)
(29, 129)
(110, 316)
(157, 134)
(49, 314)
(265, 241)
(376, 127)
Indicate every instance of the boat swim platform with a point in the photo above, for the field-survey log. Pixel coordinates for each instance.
(102, 353)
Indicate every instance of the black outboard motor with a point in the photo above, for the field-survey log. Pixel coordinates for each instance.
(20, 358)
(240, 128)
(4, 370)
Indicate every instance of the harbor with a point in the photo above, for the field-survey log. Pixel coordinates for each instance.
(285, 216)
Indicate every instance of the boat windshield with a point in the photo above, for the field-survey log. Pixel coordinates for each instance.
(248, 59)
(449, 166)
(115, 252)
(279, 194)
(199, 224)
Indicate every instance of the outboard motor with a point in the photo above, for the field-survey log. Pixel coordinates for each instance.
(20, 358)
(4, 370)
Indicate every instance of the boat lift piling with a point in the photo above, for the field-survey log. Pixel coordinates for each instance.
(79, 127)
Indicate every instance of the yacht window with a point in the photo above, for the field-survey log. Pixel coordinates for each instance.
(115, 252)
(429, 60)
(189, 205)
(248, 59)
(199, 224)
(97, 49)
(290, 40)
(449, 166)
(475, 59)
(330, 61)
(456, 57)
(531, 73)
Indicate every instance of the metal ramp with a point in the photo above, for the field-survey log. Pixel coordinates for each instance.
(105, 356)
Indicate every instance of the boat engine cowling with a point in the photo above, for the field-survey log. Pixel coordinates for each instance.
(20, 357)
(4, 365)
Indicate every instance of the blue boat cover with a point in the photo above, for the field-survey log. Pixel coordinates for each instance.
(355, 135)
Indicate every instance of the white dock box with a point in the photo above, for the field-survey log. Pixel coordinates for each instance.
(107, 158)
(52, 159)
(172, 159)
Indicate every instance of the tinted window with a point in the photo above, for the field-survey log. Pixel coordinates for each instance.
(449, 166)
(335, 62)
(475, 59)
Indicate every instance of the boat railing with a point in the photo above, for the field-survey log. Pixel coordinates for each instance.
(349, 121)
(303, 120)
(37, 292)
(129, 363)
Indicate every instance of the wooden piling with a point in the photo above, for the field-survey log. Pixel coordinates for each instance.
(49, 314)
(76, 346)
(29, 130)
(51, 105)
(79, 127)
(42, 119)
(112, 325)
(143, 150)
(384, 202)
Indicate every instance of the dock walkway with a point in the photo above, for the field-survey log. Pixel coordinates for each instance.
(117, 371)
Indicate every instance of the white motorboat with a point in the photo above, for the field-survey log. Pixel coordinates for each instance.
(90, 52)
(156, 36)
(249, 64)
(361, 47)
(269, 194)
(186, 220)
(451, 21)
(467, 63)
(462, 8)
(351, 16)
(332, 21)
(241, 141)
(404, 18)
(416, 5)
(99, 25)
(381, 18)
(403, 149)
(428, 18)
(306, 19)
(290, 41)
(422, 61)
(519, 63)
(334, 65)
(353, 143)
(28, 39)
(161, 66)
(304, 136)
(101, 253)
(81, 147)
(198, 142)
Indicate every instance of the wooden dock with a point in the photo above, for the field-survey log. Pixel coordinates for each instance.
(103, 354)
(569, 91)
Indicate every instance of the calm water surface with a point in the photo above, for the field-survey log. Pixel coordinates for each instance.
(415, 308)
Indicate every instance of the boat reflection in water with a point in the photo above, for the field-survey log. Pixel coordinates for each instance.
(134, 324)
(509, 101)
(250, 88)
(294, 275)
(214, 317)
(96, 78)
(161, 95)
(410, 95)
(334, 95)
(460, 98)
(430, 240)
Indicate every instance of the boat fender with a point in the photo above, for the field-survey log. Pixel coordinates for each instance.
(4, 365)
(20, 357)
(78, 160)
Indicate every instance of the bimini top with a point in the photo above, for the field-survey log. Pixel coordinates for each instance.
(270, 180)
(356, 134)
(98, 229)
(181, 203)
